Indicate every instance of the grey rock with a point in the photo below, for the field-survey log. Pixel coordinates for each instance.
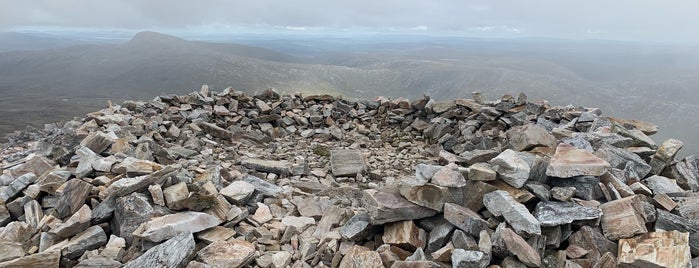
(73, 197)
(10, 251)
(511, 168)
(347, 162)
(5, 217)
(16, 187)
(129, 213)
(464, 219)
(639, 139)
(386, 207)
(279, 167)
(449, 176)
(127, 186)
(42, 259)
(234, 253)
(618, 158)
(428, 195)
(569, 161)
(424, 172)
(540, 190)
(481, 172)
(438, 236)
(238, 192)
(263, 186)
(586, 187)
(529, 136)
(686, 172)
(75, 224)
(500, 203)
(662, 185)
(92, 238)
(469, 259)
(562, 193)
(168, 226)
(555, 213)
(665, 155)
(358, 227)
(162, 256)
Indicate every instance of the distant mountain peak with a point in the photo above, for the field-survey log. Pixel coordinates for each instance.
(149, 37)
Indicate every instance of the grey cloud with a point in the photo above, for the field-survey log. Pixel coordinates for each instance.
(624, 19)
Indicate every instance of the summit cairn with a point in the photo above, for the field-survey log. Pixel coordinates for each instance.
(232, 179)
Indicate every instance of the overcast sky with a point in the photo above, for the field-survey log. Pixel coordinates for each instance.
(673, 21)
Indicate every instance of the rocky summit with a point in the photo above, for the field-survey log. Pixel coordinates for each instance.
(231, 179)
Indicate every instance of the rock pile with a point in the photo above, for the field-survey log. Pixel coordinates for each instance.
(235, 180)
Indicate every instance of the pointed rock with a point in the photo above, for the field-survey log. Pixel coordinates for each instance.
(500, 203)
(511, 168)
(464, 219)
(519, 247)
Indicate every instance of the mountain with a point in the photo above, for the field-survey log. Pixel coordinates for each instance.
(657, 83)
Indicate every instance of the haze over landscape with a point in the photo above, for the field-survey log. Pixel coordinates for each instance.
(631, 59)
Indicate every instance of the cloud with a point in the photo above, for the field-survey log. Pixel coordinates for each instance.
(624, 19)
(419, 28)
(497, 28)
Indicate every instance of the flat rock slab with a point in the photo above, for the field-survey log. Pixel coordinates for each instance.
(655, 249)
(559, 213)
(171, 253)
(127, 186)
(43, 259)
(386, 207)
(278, 167)
(91, 238)
(235, 253)
(569, 161)
(526, 137)
(347, 163)
(168, 226)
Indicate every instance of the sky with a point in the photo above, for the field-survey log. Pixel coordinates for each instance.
(640, 20)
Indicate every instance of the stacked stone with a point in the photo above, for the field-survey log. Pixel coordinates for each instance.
(232, 180)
